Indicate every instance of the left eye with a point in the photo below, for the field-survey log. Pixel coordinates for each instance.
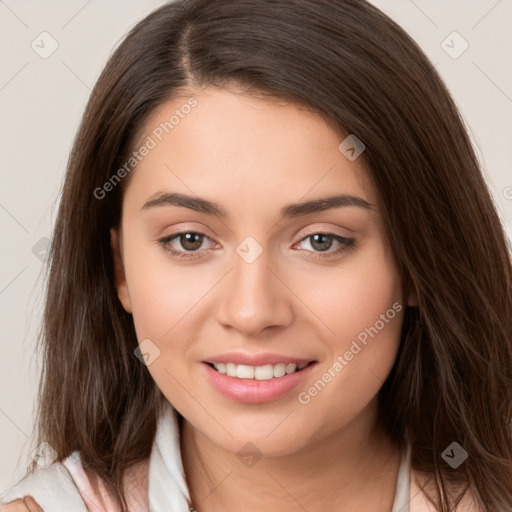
(192, 241)
(322, 242)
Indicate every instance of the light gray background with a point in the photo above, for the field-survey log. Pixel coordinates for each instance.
(42, 100)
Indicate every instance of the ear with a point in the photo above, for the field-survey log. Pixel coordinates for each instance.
(412, 299)
(119, 277)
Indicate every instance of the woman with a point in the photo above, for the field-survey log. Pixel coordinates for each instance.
(277, 277)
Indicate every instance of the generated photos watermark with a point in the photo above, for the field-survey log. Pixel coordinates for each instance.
(342, 360)
(151, 142)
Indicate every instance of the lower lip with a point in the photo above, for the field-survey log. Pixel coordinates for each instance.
(252, 391)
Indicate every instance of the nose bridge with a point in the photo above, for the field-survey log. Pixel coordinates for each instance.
(254, 297)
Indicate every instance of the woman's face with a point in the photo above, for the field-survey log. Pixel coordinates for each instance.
(264, 279)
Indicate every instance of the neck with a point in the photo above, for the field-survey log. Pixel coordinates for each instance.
(355, 468)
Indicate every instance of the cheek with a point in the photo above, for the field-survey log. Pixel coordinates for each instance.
(353, 296)
(360, 310)
(364, 311)
(161, 292)
(163, 297)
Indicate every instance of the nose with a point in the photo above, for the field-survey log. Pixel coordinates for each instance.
(255, 297)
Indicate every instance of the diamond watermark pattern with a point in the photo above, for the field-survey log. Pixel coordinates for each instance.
(249, 249)
(454, 45)
(351, 147)
(44, 455)
(249, 455)
(454, 455)
(44, 45)
(40, 248)
(147, 352)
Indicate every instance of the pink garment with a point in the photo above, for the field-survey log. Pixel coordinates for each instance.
(95, 495)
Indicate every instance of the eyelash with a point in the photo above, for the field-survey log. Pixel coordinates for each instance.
(347, 244)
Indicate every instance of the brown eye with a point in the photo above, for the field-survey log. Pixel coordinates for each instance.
(190, 241)
(321, 241)
(185, 244)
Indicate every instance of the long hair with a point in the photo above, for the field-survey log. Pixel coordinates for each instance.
(350, 63)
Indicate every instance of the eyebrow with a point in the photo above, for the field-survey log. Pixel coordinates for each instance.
(289, 211)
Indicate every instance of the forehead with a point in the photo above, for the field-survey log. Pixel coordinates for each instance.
(237, 147)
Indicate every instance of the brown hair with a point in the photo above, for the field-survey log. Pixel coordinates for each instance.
(350, 63)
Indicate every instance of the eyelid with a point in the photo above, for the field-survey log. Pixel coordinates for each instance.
(186, 227)
(325, 231)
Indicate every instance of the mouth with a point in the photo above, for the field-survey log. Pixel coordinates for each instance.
(258, 384)
(264, 372)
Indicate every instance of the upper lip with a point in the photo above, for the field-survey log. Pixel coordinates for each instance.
(259, 359)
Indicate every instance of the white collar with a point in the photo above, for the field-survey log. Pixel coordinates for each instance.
(168, 491)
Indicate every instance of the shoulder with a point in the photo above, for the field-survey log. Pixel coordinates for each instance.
(67, 485)
(52, 488)
(421, 482)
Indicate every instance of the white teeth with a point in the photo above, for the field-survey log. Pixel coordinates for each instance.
(221, 367)
(266, 372)
(245, 372)
(279, 370)
(291, 368)
(230, 369)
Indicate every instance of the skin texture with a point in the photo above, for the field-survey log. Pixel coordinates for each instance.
(254, 156)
